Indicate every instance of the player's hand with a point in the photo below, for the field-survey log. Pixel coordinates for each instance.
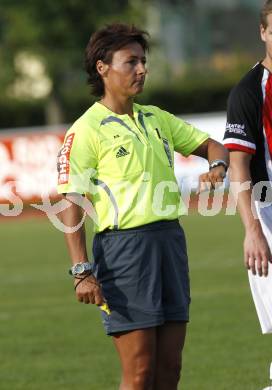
(212, 179)
(89, 291)
(256, 252)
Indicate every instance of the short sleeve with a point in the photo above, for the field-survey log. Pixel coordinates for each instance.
(185, 137)
(77, 161)
(242, 121)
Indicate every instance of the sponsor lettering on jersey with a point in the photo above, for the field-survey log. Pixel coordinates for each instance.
(63, 160)
(236, 128)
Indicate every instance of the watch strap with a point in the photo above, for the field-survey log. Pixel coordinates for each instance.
(218, 163)
(87, 268)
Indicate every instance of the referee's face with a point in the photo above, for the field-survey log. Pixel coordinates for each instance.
(126, 74)
(266, 35)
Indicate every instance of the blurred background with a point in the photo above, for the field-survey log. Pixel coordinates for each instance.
(199, 50)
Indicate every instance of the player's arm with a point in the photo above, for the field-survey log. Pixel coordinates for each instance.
(212, 151)
(256, 249)
(88, 290)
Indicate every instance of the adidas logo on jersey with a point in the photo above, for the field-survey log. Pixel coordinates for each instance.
(121, 152)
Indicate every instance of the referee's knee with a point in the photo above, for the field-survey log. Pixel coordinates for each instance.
(169, 372)
(143, 377)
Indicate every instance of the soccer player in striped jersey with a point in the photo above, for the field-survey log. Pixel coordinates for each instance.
(248, 136)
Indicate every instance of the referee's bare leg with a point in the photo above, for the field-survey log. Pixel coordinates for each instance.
(169, 346)
(137, 351)
(151, 358)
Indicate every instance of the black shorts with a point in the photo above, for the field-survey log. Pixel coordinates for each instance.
(144, 275)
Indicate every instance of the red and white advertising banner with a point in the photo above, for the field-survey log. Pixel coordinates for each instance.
(28, 164)
(28, 160)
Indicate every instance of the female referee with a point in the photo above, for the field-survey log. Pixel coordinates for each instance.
(119, 154)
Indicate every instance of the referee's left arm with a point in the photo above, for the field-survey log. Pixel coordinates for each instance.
(218, 158)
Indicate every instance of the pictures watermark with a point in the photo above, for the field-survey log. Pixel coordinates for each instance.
(164, 200)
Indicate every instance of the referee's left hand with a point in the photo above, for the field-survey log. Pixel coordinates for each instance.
(212, 179)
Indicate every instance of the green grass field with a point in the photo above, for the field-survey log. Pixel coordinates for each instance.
(49, 341)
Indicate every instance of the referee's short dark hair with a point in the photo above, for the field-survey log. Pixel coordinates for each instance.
(265, 11)
(103, 43)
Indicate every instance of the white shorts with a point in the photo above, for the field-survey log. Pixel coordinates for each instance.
(261, 287)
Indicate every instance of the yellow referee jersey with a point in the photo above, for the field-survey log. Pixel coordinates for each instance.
(126, 165)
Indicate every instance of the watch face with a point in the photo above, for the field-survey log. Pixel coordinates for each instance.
(79, 269)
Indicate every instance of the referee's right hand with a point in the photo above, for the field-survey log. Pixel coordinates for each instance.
(89, 291)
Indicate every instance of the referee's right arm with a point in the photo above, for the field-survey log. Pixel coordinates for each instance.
(88, 290)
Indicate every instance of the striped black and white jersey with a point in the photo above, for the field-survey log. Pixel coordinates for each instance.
(249, 121)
